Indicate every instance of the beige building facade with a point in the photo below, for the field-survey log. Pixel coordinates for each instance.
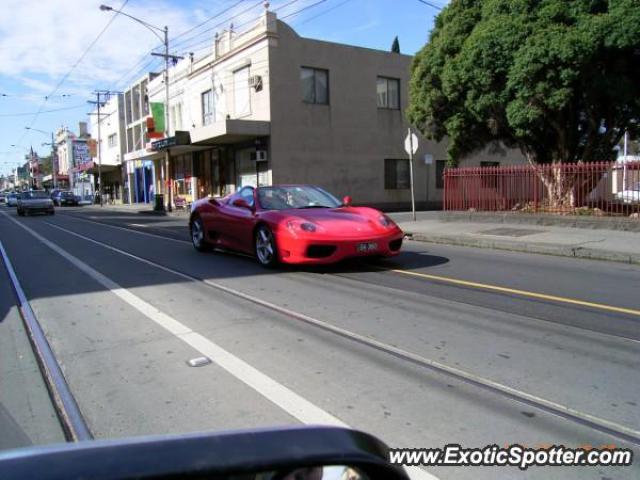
(268, 106)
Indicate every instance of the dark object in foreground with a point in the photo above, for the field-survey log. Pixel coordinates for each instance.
(300, 452)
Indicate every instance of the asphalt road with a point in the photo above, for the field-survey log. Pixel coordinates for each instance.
(126, 302)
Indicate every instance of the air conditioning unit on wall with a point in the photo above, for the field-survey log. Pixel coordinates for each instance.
(259, 156)
(255, 81)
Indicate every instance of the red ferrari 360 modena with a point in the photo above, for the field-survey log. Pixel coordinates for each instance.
(300, 224)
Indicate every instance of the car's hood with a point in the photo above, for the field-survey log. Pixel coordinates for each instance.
(36, 202)
(343, 222)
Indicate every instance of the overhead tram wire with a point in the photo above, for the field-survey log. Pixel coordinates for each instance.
(73, 67)
(135, 72)
(25, 114)
(66, 75)
(432, 5)
(206, 21)
(184, 44)
(297, 12)
(208, 41)
(282, 18)
(309, 19)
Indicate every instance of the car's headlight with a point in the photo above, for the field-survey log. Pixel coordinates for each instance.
(386, 221)
(304, 226)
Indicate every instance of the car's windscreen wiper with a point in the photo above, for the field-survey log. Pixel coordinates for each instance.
(314, 206)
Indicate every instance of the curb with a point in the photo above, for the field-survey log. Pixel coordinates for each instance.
(538, 248)
(569, 221)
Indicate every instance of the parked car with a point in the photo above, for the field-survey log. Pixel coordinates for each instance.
(35, 201)
(3, 198)
(300, 224)
(12, 199)
(630, 195)
(65, 197)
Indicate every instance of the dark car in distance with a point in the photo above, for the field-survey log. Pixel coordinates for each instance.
(64, 197)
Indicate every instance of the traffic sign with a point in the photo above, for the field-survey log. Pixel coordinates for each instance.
(411, 143)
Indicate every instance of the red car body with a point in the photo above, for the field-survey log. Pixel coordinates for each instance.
(302, 235)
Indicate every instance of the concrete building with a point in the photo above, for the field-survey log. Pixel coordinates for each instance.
(140, 169)
(268, 106)
(75, 161)
(112, 148)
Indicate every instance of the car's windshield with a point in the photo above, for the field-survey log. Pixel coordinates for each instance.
(34, 195)
(66, 194)
(295, 196)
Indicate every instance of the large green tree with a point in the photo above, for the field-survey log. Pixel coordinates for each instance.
(558, 79)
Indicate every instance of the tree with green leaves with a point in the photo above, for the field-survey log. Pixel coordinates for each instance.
(395, 46)
(557, 79)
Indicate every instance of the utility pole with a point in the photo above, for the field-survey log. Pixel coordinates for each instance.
(153, 29)
(167, 153)
(106, 95)
(54, 166)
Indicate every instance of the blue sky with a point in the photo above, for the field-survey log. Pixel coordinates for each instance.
(46, 64)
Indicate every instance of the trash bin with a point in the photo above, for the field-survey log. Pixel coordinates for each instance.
(159, 202)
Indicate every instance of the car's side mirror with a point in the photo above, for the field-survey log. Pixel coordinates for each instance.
(308, 453)
(241, 203)
(346, 201)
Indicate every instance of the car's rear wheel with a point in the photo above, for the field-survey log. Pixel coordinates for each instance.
(265, 244)
(20, 213)
(197, 235)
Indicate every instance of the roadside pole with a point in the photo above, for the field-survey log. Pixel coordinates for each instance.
(411, 147)
(54, 163)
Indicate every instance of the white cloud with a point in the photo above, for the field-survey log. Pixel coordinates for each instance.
(41, 40)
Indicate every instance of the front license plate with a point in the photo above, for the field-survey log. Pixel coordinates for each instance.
(367, 247)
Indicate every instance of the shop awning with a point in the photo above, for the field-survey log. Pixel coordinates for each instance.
(229, 131)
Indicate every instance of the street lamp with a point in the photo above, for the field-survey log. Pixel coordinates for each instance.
(54, 163)
(165, 40)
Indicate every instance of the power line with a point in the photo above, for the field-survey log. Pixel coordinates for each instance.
(183, 44)
(323, 12)
(74, 66)
(207, 20)
(40, 112)
(253, 20)
(303, 9)
(431, 4)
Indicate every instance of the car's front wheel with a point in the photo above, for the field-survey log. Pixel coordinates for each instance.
(265, 245)
(197, 235)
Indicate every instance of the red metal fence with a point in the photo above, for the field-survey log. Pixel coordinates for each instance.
(601, 188)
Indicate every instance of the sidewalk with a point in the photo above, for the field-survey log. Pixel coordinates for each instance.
(600, 244)
(137, 208)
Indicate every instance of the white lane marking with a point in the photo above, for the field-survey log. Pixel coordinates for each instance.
(283, 397)
(129, 230)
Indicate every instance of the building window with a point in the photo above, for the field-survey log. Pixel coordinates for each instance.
(396, 174)
(130, 145)
(207, 108)
(176, 117)
(440, 166)
(242, 99)
(388, 93)
(112, 140)
(315, 85)
(135, 101)
(127, 107)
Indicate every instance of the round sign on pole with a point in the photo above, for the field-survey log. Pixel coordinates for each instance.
(411, 143)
